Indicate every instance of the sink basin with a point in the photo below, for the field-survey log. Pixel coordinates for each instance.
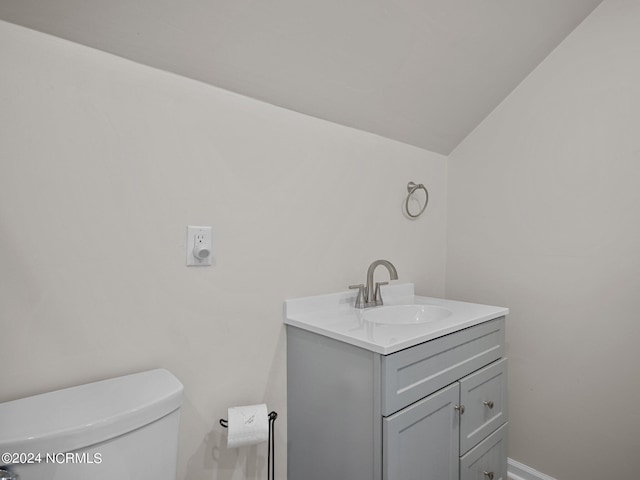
(406, 314)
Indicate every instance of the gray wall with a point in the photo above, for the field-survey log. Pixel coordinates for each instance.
(103, 164)
(543, 218)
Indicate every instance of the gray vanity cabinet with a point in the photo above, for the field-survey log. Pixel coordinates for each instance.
(434, 411)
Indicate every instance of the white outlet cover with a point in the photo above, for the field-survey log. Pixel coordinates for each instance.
(204, 236)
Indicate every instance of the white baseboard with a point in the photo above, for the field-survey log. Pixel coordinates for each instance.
(519, 471)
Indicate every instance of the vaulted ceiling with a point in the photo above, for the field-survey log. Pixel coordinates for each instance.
(424, 72)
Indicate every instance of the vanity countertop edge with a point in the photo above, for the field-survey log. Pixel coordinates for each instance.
(334, 316)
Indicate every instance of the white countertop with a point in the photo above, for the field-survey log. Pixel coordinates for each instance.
(334, 316)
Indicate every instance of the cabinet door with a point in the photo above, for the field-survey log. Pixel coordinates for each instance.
(421, 441)
(484, 396)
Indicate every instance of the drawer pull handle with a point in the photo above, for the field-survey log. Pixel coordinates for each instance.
(489, 404)
(489, 475)
(460, 408)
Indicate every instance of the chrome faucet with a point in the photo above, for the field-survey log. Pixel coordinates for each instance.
(369, 296)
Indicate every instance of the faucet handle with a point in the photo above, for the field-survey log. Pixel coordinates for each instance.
(377, 297)
(360, 299)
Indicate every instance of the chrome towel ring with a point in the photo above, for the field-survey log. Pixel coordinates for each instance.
(412, 188)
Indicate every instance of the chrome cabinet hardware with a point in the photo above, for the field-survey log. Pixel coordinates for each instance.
(489, 475)
(488, 404)
(459, 408)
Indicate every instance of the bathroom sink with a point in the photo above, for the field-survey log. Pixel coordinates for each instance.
(405, 320)
(406, 314)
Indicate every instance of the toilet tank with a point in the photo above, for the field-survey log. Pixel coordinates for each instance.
(124, 428)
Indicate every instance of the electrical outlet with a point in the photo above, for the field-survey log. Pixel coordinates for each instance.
(199, 244)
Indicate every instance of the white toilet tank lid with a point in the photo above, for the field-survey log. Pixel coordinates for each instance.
(77, 417)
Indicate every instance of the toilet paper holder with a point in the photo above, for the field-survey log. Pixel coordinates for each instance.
(272, 418)
(271, 447)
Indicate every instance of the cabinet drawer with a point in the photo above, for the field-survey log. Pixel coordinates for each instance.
(414, 373)
(484, 396)
(488, 460)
